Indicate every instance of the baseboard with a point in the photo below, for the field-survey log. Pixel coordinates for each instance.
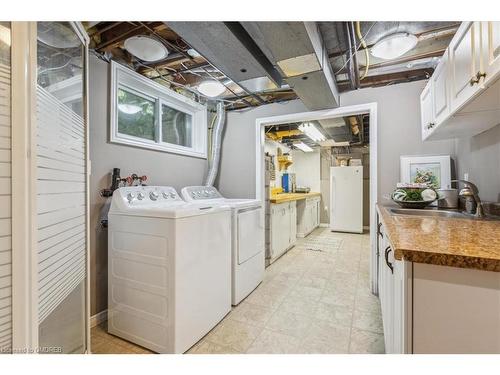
(367, 227)
(98, 318)
(324, 225)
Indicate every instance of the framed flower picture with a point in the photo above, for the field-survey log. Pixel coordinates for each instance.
(435, 170)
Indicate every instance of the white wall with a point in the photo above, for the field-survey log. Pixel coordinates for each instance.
(271, 147)
(398, 134)
(479, 156)
(398, 129)
(307, 168)
(237, 169)
(161, 168)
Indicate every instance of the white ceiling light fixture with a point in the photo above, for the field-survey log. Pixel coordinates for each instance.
(129, 109)
(193, 53)
(394, 45)
(211, 88)
(146, 48)
(303, 147)
(312, 132)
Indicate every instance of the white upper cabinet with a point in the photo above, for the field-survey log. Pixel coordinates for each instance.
(426, 110)
(440, 91)
(462, 97)
(464, 64)
(491, 49)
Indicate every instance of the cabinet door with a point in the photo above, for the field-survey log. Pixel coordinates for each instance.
(285, 227)
(491, 49)
(465, 56)
(387, 303)
(275, 231)
(307, 217)
(400, 311)
(313, 215)
(279, 229)
(426, 110)
(293, 223)
(318, 212)
(440, 90)
(383, 289)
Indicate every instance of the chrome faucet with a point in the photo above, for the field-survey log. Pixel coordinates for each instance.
(475, 196)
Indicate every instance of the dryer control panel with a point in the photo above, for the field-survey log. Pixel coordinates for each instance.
(147, 195)
(197, 193)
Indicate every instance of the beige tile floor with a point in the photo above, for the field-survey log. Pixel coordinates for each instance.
(309, 302)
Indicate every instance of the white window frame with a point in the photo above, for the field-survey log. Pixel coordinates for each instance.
(127, 79)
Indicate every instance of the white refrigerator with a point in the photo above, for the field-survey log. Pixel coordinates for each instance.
(346, 199)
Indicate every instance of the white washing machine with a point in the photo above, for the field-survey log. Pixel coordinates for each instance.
(169, 268)
(248, 249)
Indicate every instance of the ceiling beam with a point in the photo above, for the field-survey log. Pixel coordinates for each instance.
(391, 78)
(436, 53)
(104, 29)
(119, 38)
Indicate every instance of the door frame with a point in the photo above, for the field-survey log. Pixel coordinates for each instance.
(24, 209)
(371, 109)
(24, 254)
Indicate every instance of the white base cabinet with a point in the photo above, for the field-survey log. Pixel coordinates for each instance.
(308, 211)
(455, 310)
(283, 229)
(395, 299)
(431, 309)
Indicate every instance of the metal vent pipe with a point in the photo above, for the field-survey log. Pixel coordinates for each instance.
(216, 144)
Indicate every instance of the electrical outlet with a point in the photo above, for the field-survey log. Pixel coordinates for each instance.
(466, 176)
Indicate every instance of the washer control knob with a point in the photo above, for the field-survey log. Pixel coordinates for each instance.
(130, 197)
(141, 196)
(172, 195)
(165, 195)
(153, 195)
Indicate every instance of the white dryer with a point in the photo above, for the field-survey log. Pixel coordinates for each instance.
(248, 249)
(169, 268)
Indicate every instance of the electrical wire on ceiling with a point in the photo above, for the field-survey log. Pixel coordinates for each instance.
(363, 44)
(161, 76)
(357, 48)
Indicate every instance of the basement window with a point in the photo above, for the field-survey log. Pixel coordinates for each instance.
(148, 115)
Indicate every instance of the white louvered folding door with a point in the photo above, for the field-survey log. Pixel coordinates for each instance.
(5, 192)
(61, 203)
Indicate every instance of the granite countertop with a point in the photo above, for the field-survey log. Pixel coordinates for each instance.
(287, 197)
(454, 242)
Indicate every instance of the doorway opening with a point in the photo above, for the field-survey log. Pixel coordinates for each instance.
(295, 154)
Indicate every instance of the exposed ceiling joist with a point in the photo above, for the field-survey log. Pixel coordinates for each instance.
(285, 52)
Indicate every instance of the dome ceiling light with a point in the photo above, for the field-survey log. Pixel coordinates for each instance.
(211, 88)
(394, 45)
(129, 109)
(146, 48)
(193, 53)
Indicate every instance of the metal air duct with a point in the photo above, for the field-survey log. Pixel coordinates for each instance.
(297, 48)
(215, 149)
(230, 49)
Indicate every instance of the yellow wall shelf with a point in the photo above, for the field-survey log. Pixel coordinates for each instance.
(284, 161)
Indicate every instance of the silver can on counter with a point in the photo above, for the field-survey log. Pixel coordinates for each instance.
(447, 198)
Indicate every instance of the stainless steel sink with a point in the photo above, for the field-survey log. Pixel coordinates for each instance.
(438, 213)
